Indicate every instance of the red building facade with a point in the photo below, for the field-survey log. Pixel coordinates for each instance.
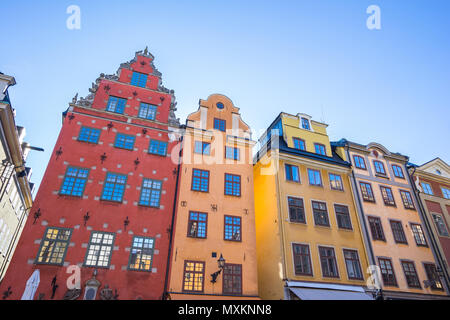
(105, 204)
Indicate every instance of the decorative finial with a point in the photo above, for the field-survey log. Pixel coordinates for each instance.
(74, 100)
(146, 50)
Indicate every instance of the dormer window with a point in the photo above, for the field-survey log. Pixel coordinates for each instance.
(139, 79)
(320, 149)
(305, 124)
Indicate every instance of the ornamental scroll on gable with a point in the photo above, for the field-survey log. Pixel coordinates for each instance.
(89, 99)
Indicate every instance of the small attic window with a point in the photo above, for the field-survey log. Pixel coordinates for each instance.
(305, 124)
(220, 105)
(438, 171)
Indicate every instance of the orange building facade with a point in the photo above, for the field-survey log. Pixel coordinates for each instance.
(214, 242)
(393, 223)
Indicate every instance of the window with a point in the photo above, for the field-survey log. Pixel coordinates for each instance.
(197, 225)
(200, 180)
(116, 105)
(410, 274)
(398, 172)
(328, 262)
(407, 200)
(202, 148)
(387, 272)
(220, 105)
(433, 277)
(99, 250)
(427, 188)
(366, 191)
(305, 124)
(376, 228)
(419, 236)
(220, 124)
(54, 246)
(336, 182)
(320, 149)
(352, 264)
(141, 254)
(232, 153)
(379, 168)
(158, 147)
(114, 187)
(90, 135)
(446, 192)
(232, 185)
(232, 279)
(124, 141)
(359, 162)
(388, 197)
(302, 260)
(232, 228)
(194, 275)
(139, 79)
(292, 173)
(147, 111)
(440, 225)
(74, 182)
(320, 213)
(150, 193)
(296, 210)
(315, 179)
(299, 144)
(397, 231)
(343, 217)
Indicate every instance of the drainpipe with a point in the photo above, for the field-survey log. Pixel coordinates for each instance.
(435, 248)
(362, 218)
(175, 201)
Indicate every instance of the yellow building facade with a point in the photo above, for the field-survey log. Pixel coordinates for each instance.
(214, 245)
(309, 241)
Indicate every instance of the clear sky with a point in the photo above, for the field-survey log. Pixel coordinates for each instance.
(390, 86)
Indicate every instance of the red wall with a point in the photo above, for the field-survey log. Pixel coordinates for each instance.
(445, 241)
(54, 208)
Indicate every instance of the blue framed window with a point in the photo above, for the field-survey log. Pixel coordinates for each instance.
(200, 180)
(292, 173)
(232, 228)
(219, 124)
(320, 149)
(114, 187)
(74, 182)
(197, 225)
(202, 148)
(299, 144)
(359, 162)
(116, 104)
(124, 141)
(141, 254)
(305, 124)
(379, 167)
(398, 172)
(220, 105)
(427, 188)
(232, 185)
(232, 153)
(150, 193)
(315, 179)
(139, 79)
(147, 111)
(336, 182)
(89, 135)
(158, 147)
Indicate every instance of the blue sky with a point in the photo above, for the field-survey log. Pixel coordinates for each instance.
(390, 86)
